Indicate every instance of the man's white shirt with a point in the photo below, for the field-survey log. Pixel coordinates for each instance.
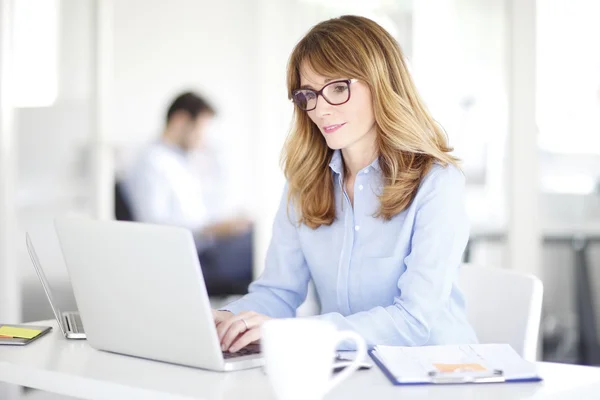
(163, 188)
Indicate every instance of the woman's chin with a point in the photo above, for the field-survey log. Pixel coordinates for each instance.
(334, 144)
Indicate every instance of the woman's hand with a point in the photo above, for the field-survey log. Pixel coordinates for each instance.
(237, 331)
(220, 316)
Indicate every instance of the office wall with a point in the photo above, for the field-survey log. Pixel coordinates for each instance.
(9, 289)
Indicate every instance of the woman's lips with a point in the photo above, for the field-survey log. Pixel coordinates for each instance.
(332, 128)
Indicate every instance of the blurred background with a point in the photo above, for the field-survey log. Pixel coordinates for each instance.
(85, 85)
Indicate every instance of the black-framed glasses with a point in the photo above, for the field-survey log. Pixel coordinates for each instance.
(335, 93)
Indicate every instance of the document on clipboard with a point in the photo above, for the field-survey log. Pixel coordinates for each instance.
(478, 363)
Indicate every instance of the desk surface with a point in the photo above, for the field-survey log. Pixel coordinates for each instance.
(72, 368)
(552, 231)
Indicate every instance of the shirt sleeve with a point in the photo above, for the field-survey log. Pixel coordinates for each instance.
(438, 240)
(283, 285)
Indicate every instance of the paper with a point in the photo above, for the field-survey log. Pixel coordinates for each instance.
(24, 333)
(413, 364)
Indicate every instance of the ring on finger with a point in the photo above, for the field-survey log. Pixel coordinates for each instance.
(245, 323)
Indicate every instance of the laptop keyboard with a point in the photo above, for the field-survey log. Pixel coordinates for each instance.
(75, 324)
(246, 351)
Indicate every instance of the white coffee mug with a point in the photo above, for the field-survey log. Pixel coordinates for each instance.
(299, 355)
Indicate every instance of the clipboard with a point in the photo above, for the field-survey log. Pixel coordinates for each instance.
(456, 376)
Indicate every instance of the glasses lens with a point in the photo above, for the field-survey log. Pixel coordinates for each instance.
(336, 93)
(305, 99)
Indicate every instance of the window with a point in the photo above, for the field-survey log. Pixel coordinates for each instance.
(568, 69)
(35, 49)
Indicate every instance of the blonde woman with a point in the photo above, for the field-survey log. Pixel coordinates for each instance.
(373, 210)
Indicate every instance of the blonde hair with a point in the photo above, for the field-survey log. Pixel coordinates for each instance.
(409, 141)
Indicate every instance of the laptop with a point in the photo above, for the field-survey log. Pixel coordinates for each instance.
(140, 291)
(69, 322)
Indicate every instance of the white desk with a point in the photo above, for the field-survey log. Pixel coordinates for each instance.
(72, 368)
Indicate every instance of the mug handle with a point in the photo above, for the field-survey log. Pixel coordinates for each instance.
(361, 353)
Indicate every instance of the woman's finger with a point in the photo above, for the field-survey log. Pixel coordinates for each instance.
(245, 339)
(224, 326)
(238, 328)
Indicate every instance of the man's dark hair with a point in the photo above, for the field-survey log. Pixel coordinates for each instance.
(190, 103)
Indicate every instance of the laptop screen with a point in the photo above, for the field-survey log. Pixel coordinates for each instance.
(45, 284)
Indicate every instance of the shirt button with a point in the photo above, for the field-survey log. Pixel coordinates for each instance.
(366, 170)
(360, 187)
(357, 228)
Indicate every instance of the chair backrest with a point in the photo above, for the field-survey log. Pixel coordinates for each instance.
(122, 208)
(503, 306)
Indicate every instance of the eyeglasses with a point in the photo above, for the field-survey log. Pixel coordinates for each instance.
(335, 93)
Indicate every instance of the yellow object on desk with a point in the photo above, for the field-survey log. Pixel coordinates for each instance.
(24, 333)
(459, 367)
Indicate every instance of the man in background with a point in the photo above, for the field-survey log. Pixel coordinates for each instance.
(163, 188)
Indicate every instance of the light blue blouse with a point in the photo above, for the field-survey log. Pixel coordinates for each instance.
(392, 282)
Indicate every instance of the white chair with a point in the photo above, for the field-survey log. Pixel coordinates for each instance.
(503, 306)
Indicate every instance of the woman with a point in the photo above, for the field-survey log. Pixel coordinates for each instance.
(373, 210)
